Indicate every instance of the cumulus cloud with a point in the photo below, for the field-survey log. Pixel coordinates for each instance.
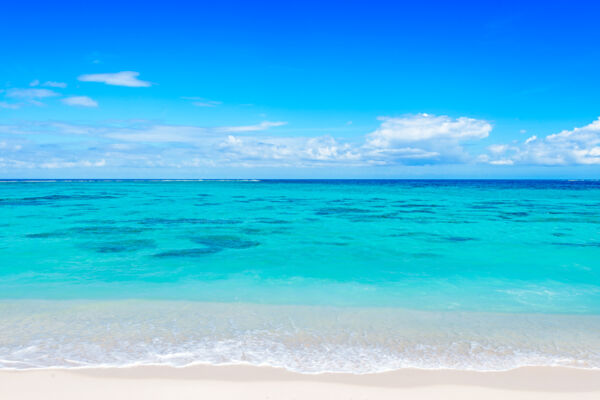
(31, 96)
(55, 84)
(424, 138)
(11, 163)
(423, 127)
(71, 164)
(502, 162)
(579, 146)
(28, 94)
(291, 151)
(123, 78)
(81, 101)
(410, 140)
(36, 82)
(397, 141)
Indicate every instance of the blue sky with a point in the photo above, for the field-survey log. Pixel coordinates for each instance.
(300, 90)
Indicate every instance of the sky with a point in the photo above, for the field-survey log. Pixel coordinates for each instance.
(310, 89)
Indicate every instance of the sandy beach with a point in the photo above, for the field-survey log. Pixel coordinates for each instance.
(246, 382)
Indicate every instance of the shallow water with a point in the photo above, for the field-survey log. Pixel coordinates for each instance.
(352, 276)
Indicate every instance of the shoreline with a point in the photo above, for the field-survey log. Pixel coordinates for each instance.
(254, 382)
(299, 338)
(202, 365)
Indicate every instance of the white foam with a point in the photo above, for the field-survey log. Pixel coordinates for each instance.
(75, 334)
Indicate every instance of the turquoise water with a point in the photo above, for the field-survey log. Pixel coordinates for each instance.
(353, 276)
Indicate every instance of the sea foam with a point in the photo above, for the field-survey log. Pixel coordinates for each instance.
(308, 339)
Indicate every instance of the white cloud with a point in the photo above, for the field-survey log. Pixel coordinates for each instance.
(158, 134)
(202, 102)
(209, 103)
(147, 144)
(288, 151)
(69, 129)
(498, 148)
(502, 162)
(81, 101)
(424, 138)
(569, 147)
(424, 127)
(71, 164)
(123, 78)
(9, 106)
(182, 133)
(36, 82)
(251, 128)
(12, 163)
(30, 93)
(395, 154)
(55, 84)
(10, 146)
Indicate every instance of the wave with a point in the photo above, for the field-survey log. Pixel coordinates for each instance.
(307, 339)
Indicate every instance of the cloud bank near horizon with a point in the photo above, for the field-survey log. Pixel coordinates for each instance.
(579, 146)
(411, 140)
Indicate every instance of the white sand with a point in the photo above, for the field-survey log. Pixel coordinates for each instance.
(245, 382)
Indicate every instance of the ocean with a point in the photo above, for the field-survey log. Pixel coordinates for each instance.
(318, 275)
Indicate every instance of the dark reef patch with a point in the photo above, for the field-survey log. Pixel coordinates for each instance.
(252, 231)
(46, 235)
(55, 197)
(417, 205)
(340, 211)
(567, 244)
(458, 238)
(120, 246)
(43, 200)
(225, 242)
(271, 221)
(456, 221)
(99, 221)
(512, 214)
(433, 236)
(411, 234)
(105, 230)
(187, 253)
(319, 243)
(371, 218)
